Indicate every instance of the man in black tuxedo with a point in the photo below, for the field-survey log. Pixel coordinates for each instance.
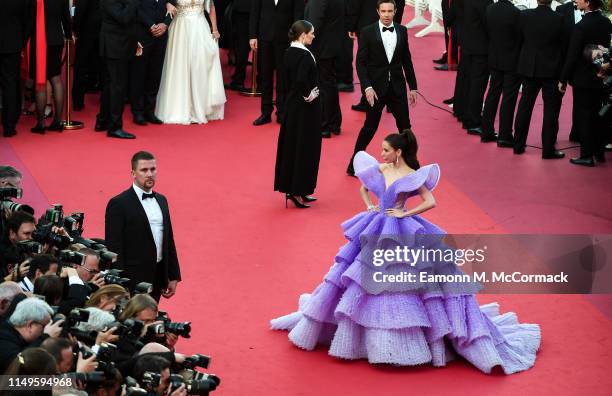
(118, 46)
(539, 65)
(327, 17)
(384, 64)
(240, 34)
(87, 23)
(362, 13)
(504, 46)
(15, 27)
(146, 70)
(588, 88)
(269, 24)
(139, 230)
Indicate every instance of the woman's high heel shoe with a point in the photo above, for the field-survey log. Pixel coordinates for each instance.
(295, 201)
(308, 198)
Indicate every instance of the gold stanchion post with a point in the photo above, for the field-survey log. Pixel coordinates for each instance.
(69, 123)
(253, 92)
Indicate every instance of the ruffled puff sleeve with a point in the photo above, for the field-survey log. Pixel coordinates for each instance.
(367, 169)
(427, 176)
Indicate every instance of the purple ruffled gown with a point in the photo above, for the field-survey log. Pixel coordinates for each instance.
(403, 328)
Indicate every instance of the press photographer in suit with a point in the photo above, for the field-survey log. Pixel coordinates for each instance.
(139, 230)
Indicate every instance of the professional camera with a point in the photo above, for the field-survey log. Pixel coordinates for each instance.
(601, 58)
(70, 257)
(132, 388)
(73, 224)
(129, 332)
(182, 329)
(85, 336)
(6, 194)
(44, 234)
(143, 288)
(104, 358)
(76, 316)
(113, 277)
(106, 256)
(55, 215)
(150, 380)
(29, 247)
(196, 360)
(200, 384)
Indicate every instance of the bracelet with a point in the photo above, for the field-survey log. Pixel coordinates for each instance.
(370, 207)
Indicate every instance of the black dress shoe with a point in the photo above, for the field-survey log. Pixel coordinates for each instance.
(38, 128)
(336, 132)
(263, 119)
(442, 60)
(235, 87)
(100, 126)
(56, 125)
(557, 154)
(519, 150)
(350, 171)
(504, 143)
(308, 198)
(584, 161)
(9, 133)
(443, 67)
(488, 137)
(360, 107)
(153, 119)
(342, 87)
(448, 101)
(120, 134)
(474, 131)
(326, 134)
(140, 120)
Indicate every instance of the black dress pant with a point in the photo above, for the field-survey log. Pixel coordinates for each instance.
(331, 117)
(461, 88)
(507, 83)
(240, 32)
(344, 63)
(478, 78)
(86, 68)
(271, 56)
(145, 76)
(588, 124)
(397, 104)
(114, 92)
(552, 106)
(10, 77)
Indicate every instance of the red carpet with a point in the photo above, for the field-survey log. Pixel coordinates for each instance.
(246, 258)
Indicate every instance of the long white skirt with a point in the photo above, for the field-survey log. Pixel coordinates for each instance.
(191, 89)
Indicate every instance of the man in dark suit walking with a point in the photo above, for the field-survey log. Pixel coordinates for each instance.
(139, 230)
(269, 24)
(87, 23)
(384, 64)
(240, 35)
(539, 63)
(118, 46)
(146, 70)
(15, 26)
(327, 17)
(504, 46)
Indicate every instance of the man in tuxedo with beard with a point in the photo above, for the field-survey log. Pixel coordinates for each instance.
(384, 65)
(139, 230)
(146, 70)
(15, 26)
(269, 24)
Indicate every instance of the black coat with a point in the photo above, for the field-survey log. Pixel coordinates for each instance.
(474, 31)
(242, 6)
(541, 32)
(362, 13)
(11, 343)
(150, 12)
(128, 234)
(456, 19)
(372, 65)
(594, 28)
(327, 17)
(503, 30)
(57, 22)
(117, 40)
(299, 140)
(269, 22)
(87, 20)
(15, 25)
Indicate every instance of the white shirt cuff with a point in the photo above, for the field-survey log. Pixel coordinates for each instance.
(366, 90)
(75, 280)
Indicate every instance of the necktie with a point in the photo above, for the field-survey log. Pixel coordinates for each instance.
(391, 29)
(145, 196)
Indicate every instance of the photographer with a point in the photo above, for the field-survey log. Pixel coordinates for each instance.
(588, 88)
(8, 291)
(144, 308)
(32, 362)
(158, 383)
(40, 264)
(51, 288)
(61, 349)
(9, 178)
(107, 297)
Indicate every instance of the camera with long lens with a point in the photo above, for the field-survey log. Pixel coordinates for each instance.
(106, 256)
(602, 59)
(6, 203)
(76, 316)
(70, 257)
(104, 358)
(44, 234)
(73, 224)
(197, 360)
(150, 380)
(182, 329)
(55, 215)
(29, 247)
(199, 384)
(113, 277)
(129, 332)
(143, 288)
(132, 388)
(86, 336)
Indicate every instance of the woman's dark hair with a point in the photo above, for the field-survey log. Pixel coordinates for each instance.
(33, 361)
(298, 28)
(595, 4)
(50, 286)
(406, 141)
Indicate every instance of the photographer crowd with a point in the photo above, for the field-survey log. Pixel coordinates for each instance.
(66, 311)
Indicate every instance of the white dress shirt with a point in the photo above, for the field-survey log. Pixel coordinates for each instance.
(156, 219)
(389, 40)
(26, 284)
(275, 2)
(577, 16)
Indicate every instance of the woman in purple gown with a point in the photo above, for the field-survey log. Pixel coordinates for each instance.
(400, 326)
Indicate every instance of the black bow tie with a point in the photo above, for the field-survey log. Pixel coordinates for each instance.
(391, 29)
(145, 195)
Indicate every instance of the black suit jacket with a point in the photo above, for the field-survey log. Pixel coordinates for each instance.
(11, 343)
(327, 17)
(503, 30)
(541, 34)
(57, 22)
(15, 25)
(87, 20)
(594, 28)
(362, 13)
(269, 22)
(373, 68)
(128, 234)
(456, 19)
(475, 34)
(74, 296)
(242, 6)
(117, 39)
(150, 12)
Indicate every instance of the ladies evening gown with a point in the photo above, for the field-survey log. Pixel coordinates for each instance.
(403, 327)
(191, 89)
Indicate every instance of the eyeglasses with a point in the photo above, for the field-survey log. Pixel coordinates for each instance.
(91, 271)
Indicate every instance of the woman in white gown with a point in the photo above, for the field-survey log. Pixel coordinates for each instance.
(191, 89)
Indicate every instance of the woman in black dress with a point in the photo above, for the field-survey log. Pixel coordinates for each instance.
(299, 140)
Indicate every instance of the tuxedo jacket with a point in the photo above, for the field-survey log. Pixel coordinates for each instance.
(327, 17)
(503, 30)
(57, 22)
(242, 6)
(149, 13)
(594, 28)
(362, 13)
(15, 25)
(374, 69)
(541, 34)
(475, 34)
(128, 234)
(87, 20)
(117, 39)
(270, 22)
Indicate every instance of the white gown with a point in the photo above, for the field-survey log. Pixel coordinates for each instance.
(191, 89)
